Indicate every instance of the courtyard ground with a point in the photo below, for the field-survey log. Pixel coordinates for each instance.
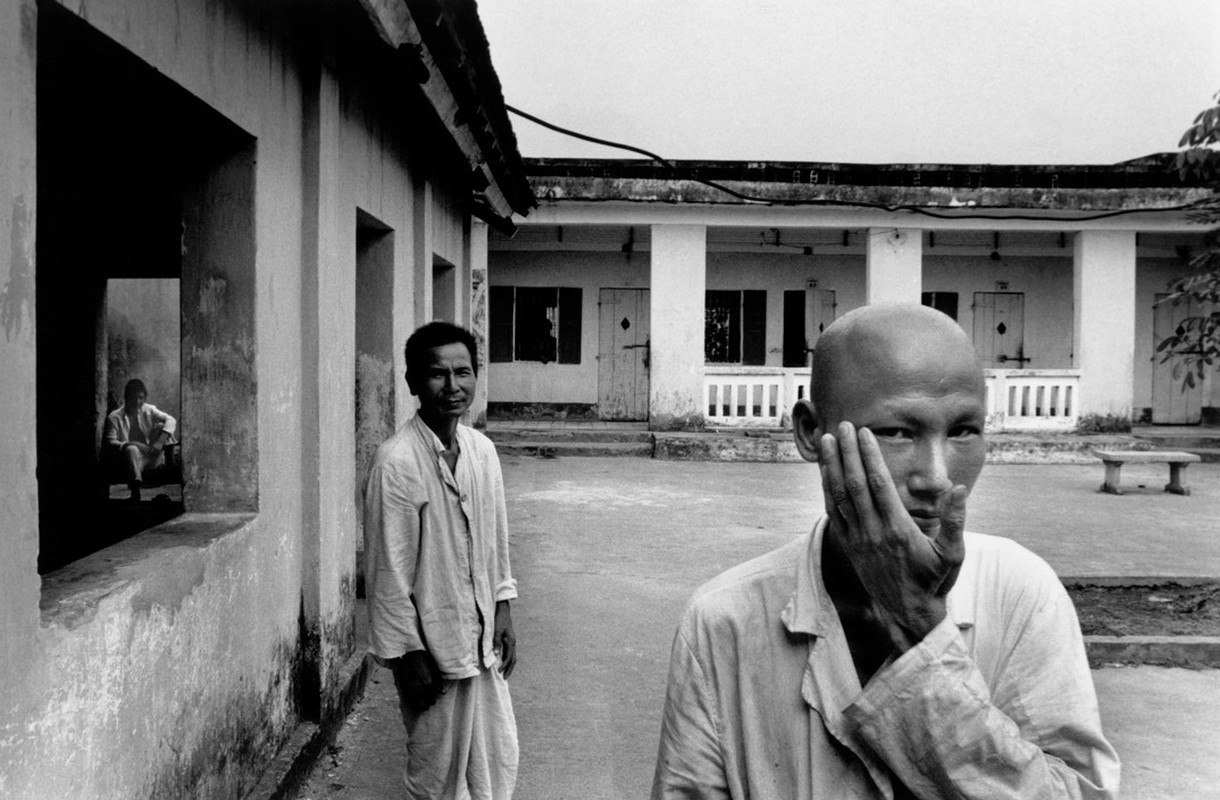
(608, 550)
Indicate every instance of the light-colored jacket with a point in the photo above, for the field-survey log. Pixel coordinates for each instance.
(996, 702)
(436, 549)
(149, 418)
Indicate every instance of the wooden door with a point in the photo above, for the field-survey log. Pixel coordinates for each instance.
(819, 313)
(622, 354)
(999, 329)
(1172, 402)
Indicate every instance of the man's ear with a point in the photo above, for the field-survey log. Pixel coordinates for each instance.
(805, 430)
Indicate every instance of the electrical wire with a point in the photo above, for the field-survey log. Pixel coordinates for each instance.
(837, 203)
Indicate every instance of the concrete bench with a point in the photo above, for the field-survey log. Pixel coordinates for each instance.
(1114, 460)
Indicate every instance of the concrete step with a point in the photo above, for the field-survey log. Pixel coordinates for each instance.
(1185, 438)
(559, 449)
(566, 435)
(1210, 455)
(1184, 442)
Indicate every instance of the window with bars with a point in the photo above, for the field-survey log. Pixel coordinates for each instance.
(534, 323)
(735, 327)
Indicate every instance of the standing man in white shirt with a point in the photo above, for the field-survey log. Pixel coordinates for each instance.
(135, 435)
(888, 653)
(439, 582)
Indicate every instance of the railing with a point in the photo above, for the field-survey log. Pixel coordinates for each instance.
(1032, 399)
(752, 396)
(1017, 399)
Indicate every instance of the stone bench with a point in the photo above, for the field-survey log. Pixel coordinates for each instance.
(1114, 460)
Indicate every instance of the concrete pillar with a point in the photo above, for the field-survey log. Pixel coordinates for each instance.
(328, 546)
(477, 271)
(1103, 279)
(422, 250)
(678, 283)
(893, 265)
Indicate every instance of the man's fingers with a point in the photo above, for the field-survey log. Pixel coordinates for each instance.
(881, 485)
(950, 544)
(834, 485)
(508, 658)
(856, 479)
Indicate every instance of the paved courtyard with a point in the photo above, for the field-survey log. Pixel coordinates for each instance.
(608, 550)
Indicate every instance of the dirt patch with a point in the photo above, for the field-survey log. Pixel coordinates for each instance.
(1165, 610)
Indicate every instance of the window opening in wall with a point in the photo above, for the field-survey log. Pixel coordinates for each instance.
(944, 302)
(735, 327)
(144, 268)
(535, 323)
(375, 348)
(444, 290)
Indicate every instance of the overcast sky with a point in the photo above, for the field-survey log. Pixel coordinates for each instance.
(880, 81)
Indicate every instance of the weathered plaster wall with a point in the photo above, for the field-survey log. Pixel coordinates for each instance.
(173, 664)
(147, 674)
(19, 584)
(1046, 282)
(449, 234)
(144, 340)
(775, 273)
(534, 382)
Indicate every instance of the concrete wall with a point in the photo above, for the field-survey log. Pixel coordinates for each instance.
(534, 382)
(143, 326)
(1046, 282)
(174, 663)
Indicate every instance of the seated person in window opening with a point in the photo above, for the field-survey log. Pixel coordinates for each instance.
(887, 653)
(135, 436)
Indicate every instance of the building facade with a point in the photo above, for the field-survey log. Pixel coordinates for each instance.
(695, 290)
(250, 206)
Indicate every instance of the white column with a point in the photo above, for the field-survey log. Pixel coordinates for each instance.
(678, 281)
(1103, 280)
(477, 263)
(893, 265)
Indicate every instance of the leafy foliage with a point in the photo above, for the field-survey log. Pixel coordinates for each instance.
(1194, 346)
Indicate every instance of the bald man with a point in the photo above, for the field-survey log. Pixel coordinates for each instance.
(888, 653)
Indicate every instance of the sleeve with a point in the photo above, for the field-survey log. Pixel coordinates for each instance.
(690, 762)
(391, 553)
(506, 585)
(1035, 734)
(110, 433)
(168, 424)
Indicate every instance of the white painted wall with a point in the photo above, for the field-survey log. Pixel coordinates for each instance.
(1045, 281)
(777, 272)
(534, 382)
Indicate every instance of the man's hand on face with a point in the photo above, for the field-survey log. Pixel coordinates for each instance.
(503, 640)
(906, 572)
(420, 678)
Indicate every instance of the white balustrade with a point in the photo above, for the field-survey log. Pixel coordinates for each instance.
(1032, 399)
(1017, 399)
(752, 396)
